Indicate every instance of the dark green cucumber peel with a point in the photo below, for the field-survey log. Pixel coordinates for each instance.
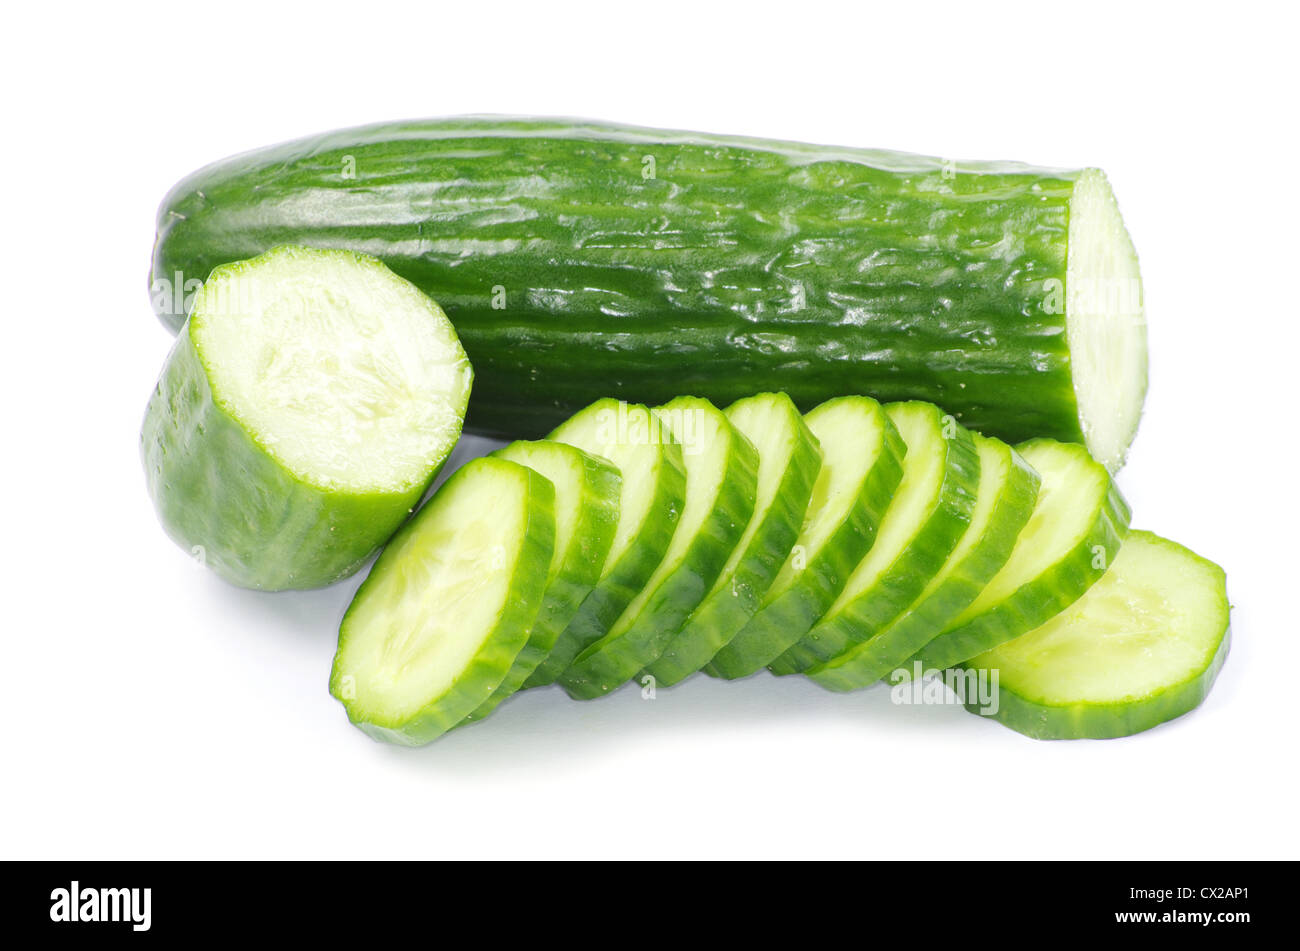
(1142, 646)
(652, 495)
(667, 262)
(930, 511)
(1048, 579)
(1007, 491)
(721, 477)
(804, 589)
(789, 460)
(586, 515)
(436, 626)
(232, 437)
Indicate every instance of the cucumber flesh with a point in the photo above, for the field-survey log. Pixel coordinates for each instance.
(721, 475)
(586, 517)
(1142, 646)
(862, 464)
(926, 518)
(651, 497)
(436, 626)
(789, 460)
(1075, 532)
(1008, 487)
(309, 401)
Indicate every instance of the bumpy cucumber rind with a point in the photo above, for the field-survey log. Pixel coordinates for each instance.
(787, 616)
(1045, 596)
(619, 657)
(571, 580)
(496, 654)
(875, 658)
(905, 579)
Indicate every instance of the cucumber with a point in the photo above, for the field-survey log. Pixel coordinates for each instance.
(862, 465)
(651, 497)
(436, 626)
(1075, 532)
(788, 462)
(1008, 488)
(580, 259)
(309, 401)
(926, 518)
(586, 517)
(1142, 646)
(721, 477)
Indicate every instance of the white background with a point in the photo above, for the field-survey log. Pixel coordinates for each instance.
(150, 710)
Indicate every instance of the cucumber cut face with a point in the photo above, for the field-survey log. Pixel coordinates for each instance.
(1073, 535)
(436, 626)
(309, 401)
(586, 517)
(651, 497)
(1142, 646)
(1008, 488)
(862, 465)
(721, 477)
(927, 516)
(788, 462)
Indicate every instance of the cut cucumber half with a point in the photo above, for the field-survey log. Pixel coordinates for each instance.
(788, 462)
(721, 477)
(927, 516)
(1008, 487)
(862, 464)
(436, 626)
(586, 517)
(307, 404)
(1142, 646)
(651, 498)
(1079, 521)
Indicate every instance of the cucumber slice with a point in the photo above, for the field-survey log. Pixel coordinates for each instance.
(1079, 521)
(1142, 646)
(862, 464)
(586, 517)
(436, 626)
(788, 462)
(926, 518)
(651, 498)
(307, 404)
(721, 476)
(1008, 487)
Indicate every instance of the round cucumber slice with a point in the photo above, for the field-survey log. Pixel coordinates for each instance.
(436, 626)
(1008, 487)
(306, 406)
(586, 517)
(721, 476)
(651, 497)
(788, 462)
(862, 464)
(1074, 534)
(1142, 646)
(927, 516)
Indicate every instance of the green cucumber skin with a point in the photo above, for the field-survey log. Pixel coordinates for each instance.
(223, 497)
(738, 265)
(727, 610)
(907, 577)
(612, 661)
(570, 584)
(617, 587)
(885, 652)
(493, 661)
(777, 625)
(1038, 600)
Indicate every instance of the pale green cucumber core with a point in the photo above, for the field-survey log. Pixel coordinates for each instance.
(348, 375)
